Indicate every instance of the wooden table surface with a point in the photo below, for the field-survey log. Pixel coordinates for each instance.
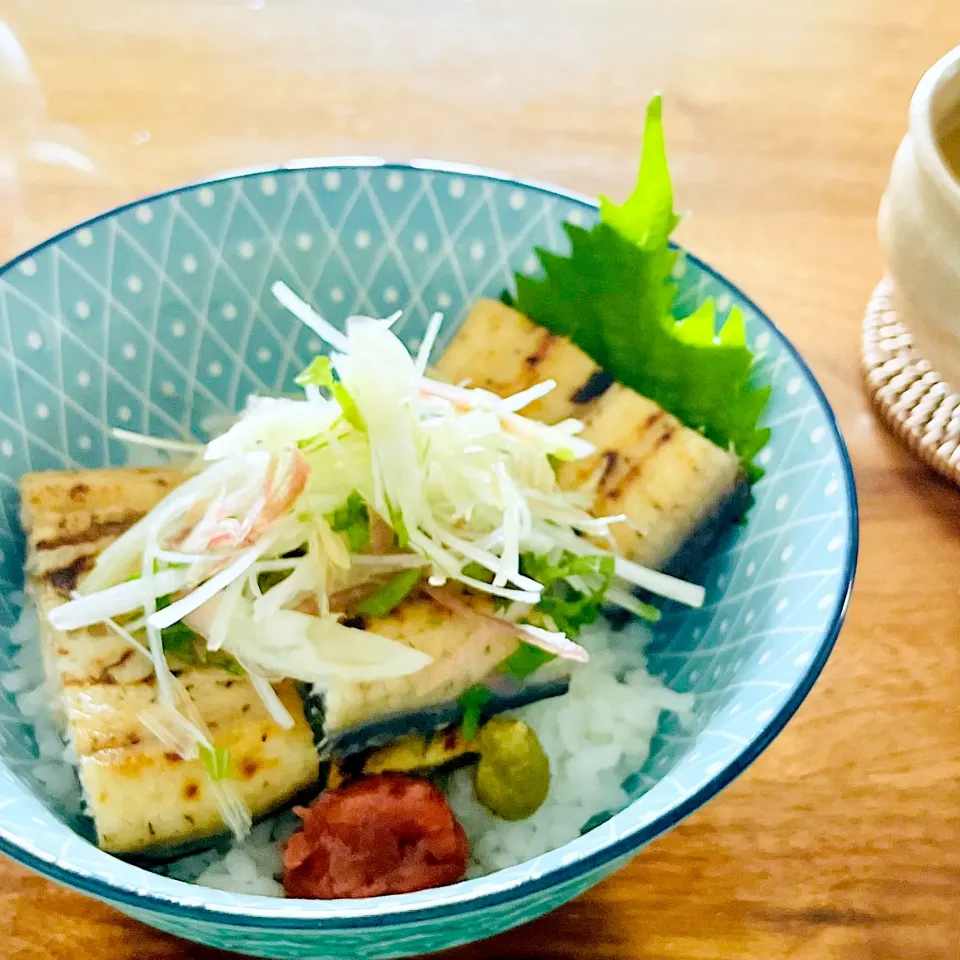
(843, 840)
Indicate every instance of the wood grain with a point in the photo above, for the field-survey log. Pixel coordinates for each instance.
(843, 841)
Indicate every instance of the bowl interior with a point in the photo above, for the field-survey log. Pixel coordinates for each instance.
(158, 317)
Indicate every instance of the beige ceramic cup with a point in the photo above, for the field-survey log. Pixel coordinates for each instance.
(919, 222)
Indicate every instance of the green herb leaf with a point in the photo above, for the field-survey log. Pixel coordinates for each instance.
(351, 412)
(226, 662)
(380, 603)
(187, 648)
(570, 609)
(525, 660)
(352, 519)
(271, 578)
(473, 702)
(648, 612)
(180, 643)
(477, 571)
(500, 604)
(398, 524)
(548, 570)
(647, 217)
(216, 762)
(613, 296)
(318, 374)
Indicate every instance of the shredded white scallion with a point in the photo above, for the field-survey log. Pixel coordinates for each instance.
(182, 608)
(158, 443)
(429, 339)
(626, 600)
(271, 700)
(127, 634)
(223, 617)
(309, 317)
(83, 611)
(518, 401)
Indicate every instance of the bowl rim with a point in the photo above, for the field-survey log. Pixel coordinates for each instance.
(375, 910)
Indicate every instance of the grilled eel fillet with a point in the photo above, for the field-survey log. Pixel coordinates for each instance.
(466, 648)
(141, 796)
(458, 663)
(676, 487)
(440, 751)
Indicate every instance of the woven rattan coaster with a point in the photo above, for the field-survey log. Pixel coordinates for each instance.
(907, 394)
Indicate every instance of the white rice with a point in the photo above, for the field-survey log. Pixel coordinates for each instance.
(253, 866)
(54, 766)
(596, 737)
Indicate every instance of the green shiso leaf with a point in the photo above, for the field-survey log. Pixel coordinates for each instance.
(614, 295)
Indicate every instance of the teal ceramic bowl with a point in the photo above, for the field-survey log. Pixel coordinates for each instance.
(158, 314)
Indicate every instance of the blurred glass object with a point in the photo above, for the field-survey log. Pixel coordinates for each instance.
(39, 159)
